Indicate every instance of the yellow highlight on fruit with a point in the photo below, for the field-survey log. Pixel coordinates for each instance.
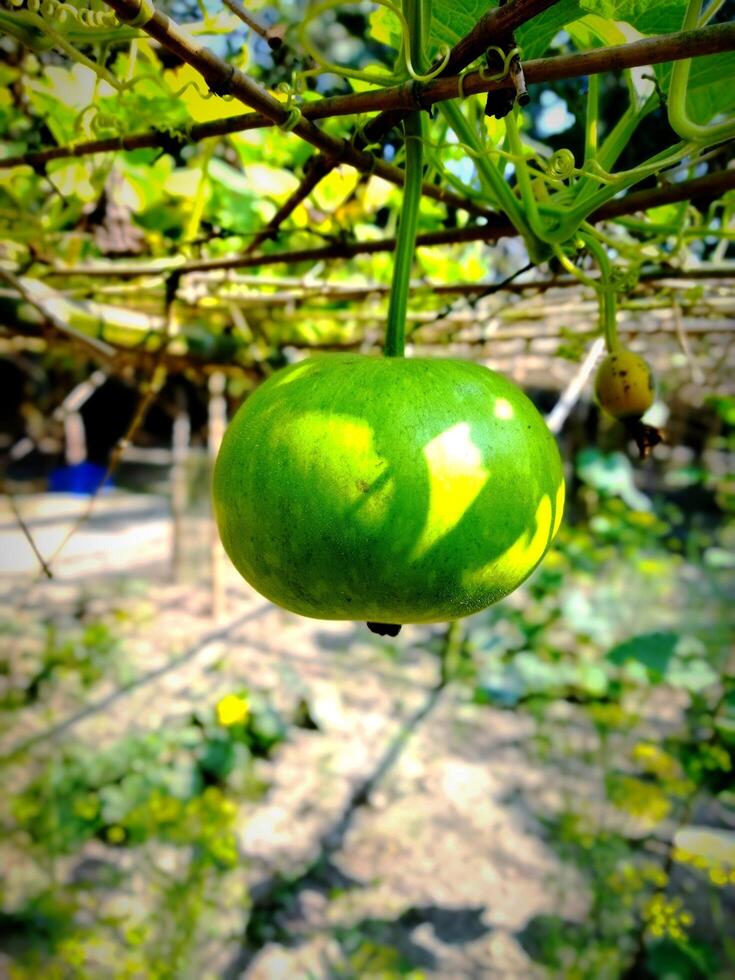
(524, 553)
(457, 474)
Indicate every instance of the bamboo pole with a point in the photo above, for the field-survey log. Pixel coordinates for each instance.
(715, 39)
(702, 189)
(216, 430)
(179, 490)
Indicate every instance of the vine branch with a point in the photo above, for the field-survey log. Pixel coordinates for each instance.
(225, 79)
(272, 35)
(402, 98)
(705, 188)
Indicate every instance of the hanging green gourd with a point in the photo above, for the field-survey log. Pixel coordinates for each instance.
(388, 489)
(624, 384)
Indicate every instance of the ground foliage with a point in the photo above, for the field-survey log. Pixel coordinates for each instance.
(633, 714)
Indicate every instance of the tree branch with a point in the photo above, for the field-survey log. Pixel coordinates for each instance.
(50, 318)
(273, 35)
(496, 23)
(27, 534)
(225, 79)
(317, 168)
(650, 51)
(705, 188)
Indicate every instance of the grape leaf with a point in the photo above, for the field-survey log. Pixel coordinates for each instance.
(451, 21)
(710, 90)
(536, 35)
(647, 16)
(655, 651)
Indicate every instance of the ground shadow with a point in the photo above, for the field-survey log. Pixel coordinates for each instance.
(451, 926)
(276, 901)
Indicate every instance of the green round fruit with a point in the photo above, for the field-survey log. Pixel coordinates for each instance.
(624, 385)
(392, 490)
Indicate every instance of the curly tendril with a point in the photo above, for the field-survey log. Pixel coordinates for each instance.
(561, 165)
(100, 123)
(202, 92)
(624, 278)
(373, 77)
(545, 172)
(507, 58)
(291, 121)
(62, 14)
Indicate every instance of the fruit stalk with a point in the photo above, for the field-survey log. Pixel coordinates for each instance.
(608, 319)
(406, 240)
(417, 14)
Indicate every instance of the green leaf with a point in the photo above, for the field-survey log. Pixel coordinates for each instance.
(663, 658)
(594, 32)
(655, 651)
(384, 28)
(452, 21)
(647, 16)
(710, 90)
(229, 178)
(536, 35)
(682, 960)
(724, 405)
(692, 674)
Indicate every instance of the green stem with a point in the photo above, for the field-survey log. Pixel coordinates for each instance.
(492, 180)
(406, 241)
(539, 228)
(608, 323)
(200, 198)
(714, 8)
(591, 118)
(679, 119)
(615, 142)
(415, 13)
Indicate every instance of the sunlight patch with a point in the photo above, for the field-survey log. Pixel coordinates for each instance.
(363, 478)
(503, 409)
(457, 474)
(523, 554)
(295, 373)
(558, 510)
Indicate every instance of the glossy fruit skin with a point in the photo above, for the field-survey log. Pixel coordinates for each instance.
(624, 385)
(392, 490)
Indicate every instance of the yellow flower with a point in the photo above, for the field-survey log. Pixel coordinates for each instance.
(666, 917)
(86, 807)
(718, 876)
(232, 710)
(655, 760)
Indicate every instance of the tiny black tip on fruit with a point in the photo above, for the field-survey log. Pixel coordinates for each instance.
(384, 629)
